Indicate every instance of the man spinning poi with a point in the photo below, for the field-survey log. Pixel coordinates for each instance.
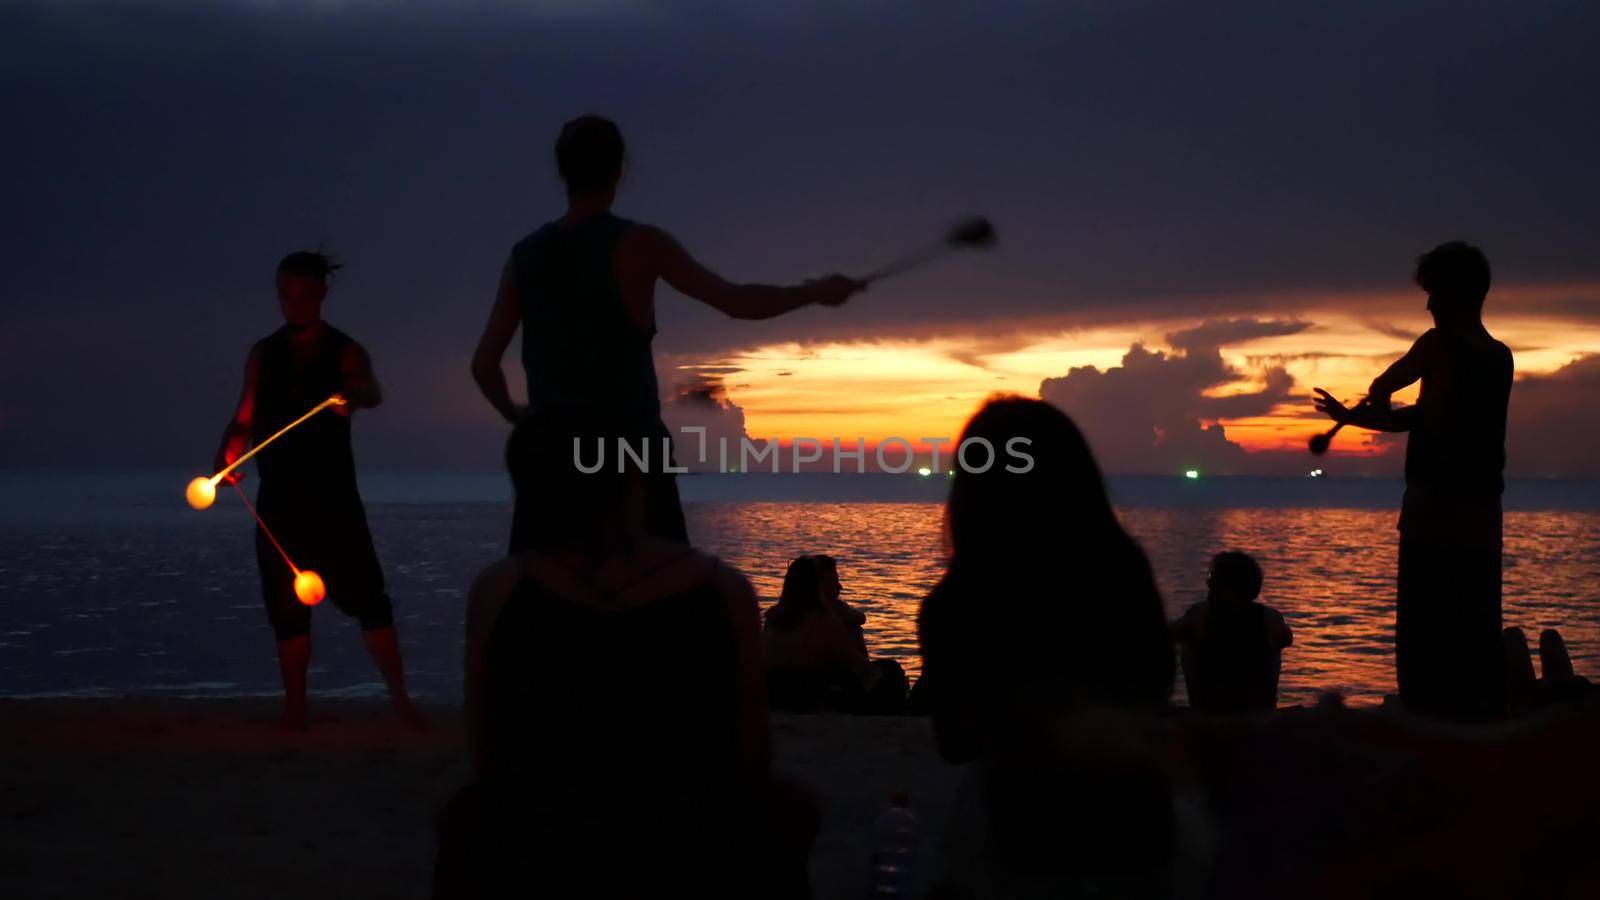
(1449, 658)
(582, 289)
(308, 495)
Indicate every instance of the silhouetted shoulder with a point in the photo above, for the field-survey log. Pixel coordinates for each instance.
(1278, 629)
(267, 341)
(1191, 626)
(491, 588)
(533, 237)
(647, 242)
(1506, 359)
(733, 587)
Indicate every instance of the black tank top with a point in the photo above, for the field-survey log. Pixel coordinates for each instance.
(1456, 450)
(312, 468)
(579, 346)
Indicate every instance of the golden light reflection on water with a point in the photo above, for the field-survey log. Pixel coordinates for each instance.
(1330, 571)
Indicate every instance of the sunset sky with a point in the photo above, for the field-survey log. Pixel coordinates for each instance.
(1202, 213)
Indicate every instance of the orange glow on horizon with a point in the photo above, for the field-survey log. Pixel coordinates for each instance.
(924, 387)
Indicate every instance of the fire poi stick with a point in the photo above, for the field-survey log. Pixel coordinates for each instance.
(974, 233)
(202, 492)
(308, 586)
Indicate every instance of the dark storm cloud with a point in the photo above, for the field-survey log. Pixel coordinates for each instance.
(1137, 158)
(699, 400)
(1552, 428)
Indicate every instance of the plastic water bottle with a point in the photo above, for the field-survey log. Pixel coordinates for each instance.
(897, 835)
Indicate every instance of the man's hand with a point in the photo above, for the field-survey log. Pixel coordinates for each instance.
(833, 290)
(1327, 404)
(341, 405)
(226, 459)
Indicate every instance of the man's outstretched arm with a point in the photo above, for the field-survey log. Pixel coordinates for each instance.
(497, 333)
(687, 276)
(1374, 413)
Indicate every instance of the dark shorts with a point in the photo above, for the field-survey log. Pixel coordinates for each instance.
(338, 548)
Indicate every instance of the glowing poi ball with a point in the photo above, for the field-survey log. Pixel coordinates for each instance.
(201, 493)
(309, 588)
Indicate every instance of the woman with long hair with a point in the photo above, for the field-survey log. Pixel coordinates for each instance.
(1045, 653)
(816, 653)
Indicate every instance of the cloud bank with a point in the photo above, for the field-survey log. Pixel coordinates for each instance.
(1152, 414)
(1552, 428)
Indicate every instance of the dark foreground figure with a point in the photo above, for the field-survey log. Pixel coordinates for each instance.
(1046, 662)
(616, 706)
(308, 494)
(582, 290)
(1448, 657)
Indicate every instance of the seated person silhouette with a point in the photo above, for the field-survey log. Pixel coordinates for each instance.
(615, 705)
(1230, 645)
(816, 651)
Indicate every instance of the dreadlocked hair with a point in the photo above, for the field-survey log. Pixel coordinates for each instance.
(312, 263)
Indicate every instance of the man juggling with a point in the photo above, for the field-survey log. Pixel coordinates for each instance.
(308, 505)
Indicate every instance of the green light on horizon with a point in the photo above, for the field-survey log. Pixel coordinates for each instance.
(1191, 474)
(924, 471)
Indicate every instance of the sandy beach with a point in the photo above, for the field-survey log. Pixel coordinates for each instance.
(137, 798)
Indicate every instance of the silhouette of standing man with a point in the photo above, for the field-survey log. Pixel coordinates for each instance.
(1448, 657)
(308, 481)
(582, 289)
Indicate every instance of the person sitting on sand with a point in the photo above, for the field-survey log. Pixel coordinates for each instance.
(1046, 662)
(615, 704)
(1232, 646)
(816, 652)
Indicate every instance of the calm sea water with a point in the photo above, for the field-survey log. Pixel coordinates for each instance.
(110, 584)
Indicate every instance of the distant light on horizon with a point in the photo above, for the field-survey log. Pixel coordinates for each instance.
(924, 471)
(1191, 473)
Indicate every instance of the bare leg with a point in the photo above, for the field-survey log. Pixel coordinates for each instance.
(294, 657)
(384, 647)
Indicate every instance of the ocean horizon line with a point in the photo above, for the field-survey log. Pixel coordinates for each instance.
(59, 494)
